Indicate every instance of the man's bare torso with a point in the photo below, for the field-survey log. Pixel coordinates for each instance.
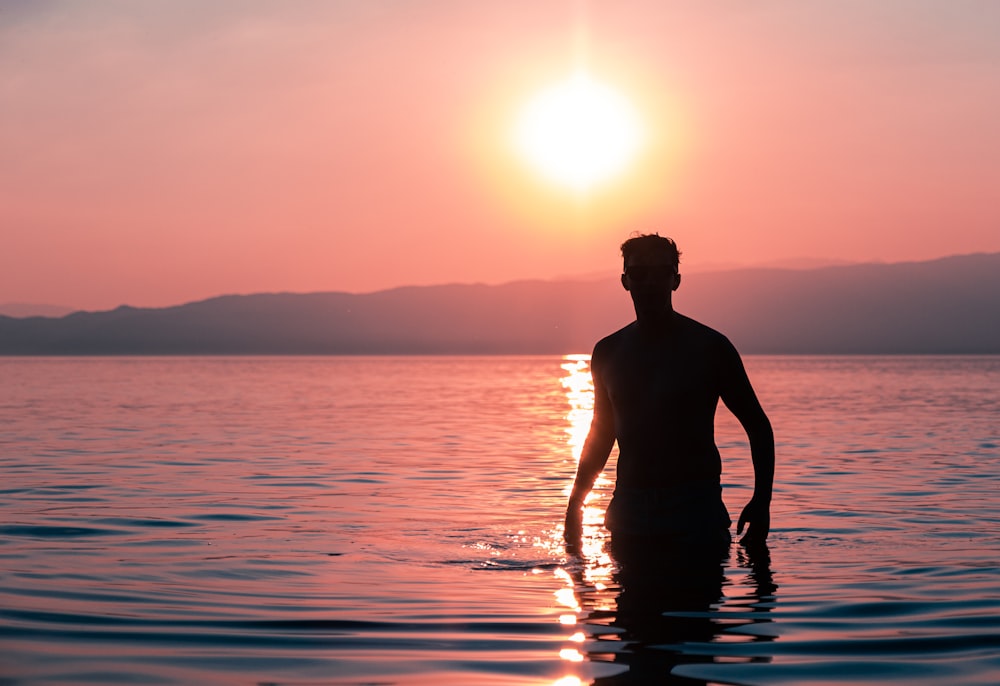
(662, 388)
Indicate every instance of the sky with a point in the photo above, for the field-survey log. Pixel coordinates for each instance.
(167, 151)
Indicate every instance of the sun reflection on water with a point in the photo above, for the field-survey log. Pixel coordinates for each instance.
(579, 388)
(588, 574)
(578, 385)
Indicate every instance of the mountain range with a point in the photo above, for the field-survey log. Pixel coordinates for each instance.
(945, 306)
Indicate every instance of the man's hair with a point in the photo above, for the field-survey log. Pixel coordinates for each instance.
(651, 244)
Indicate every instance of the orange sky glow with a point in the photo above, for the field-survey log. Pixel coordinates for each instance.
(161, 152)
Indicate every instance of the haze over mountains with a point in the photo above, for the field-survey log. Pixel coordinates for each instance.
(949, 305)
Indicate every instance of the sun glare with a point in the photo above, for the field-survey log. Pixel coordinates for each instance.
(578, 133)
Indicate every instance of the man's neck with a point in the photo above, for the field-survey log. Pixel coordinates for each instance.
(658, 322)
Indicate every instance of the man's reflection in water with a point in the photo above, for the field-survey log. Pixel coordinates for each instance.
(669, 606)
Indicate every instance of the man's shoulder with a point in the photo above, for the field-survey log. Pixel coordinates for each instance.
(694, 326)
(613, 340)
(705, 334)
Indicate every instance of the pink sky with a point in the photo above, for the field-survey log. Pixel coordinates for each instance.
(161, 152)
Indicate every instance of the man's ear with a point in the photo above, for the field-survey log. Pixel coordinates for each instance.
(625, 282)
(677, 282)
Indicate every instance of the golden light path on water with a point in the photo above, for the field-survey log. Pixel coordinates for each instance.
(579, 387)
(597, 570)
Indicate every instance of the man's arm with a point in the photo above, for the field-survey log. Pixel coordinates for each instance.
(739, 397)
(594, 456)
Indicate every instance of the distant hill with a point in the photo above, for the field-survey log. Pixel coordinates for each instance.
(950, 305)
(33, 310)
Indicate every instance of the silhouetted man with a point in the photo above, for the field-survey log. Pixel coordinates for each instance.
(657, 383)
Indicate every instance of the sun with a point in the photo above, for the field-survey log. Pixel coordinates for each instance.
(578, 133)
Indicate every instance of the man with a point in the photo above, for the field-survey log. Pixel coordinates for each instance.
(657, 383)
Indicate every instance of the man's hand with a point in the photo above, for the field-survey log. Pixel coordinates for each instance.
(573, 530)
(757, 514)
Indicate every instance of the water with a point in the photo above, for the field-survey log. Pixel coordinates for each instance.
(398, 520)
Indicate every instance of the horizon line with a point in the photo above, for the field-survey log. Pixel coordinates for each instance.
(782, 264)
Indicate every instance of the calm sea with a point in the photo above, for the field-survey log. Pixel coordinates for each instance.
(398, 521)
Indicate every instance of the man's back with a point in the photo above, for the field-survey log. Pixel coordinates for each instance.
(657, 383)
(663, 388)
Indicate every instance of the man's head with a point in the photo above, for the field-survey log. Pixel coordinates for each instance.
(651, 273)
(652, 248)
